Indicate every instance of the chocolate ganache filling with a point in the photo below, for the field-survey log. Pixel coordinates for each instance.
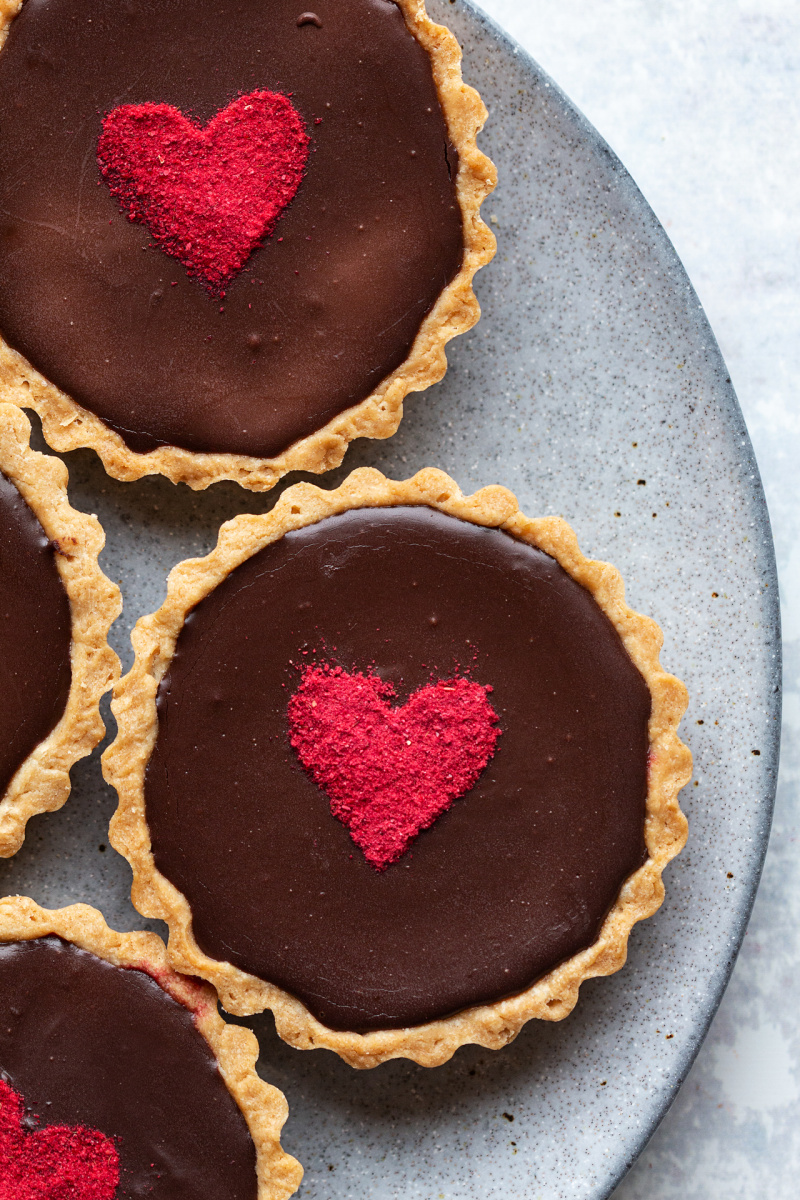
(321, 313)
(517, 876)
(87, 1043)
(35, 634)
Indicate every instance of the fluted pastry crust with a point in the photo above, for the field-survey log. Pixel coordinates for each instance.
(492, 1025)
(41, 783)
(67, 425)
(236, 1050)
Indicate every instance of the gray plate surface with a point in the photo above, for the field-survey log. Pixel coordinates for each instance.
(592, 387)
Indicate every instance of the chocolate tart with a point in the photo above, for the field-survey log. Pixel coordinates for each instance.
(56, 607)
(344, 308)
(526, 885)
(100, 1039)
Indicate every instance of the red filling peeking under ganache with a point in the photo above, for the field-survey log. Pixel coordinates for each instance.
(109, 1090)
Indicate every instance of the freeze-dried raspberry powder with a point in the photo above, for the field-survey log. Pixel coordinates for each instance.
(390, 772)
(58, 1162)
(208, 195)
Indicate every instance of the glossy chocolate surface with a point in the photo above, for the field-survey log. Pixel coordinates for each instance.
(35, 634)
(517, 876)
(330, 304)
(87, 1043)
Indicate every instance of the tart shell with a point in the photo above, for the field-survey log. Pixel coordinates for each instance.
(236, 1050)
(41, 783)
(491, 1025)
(67, 425)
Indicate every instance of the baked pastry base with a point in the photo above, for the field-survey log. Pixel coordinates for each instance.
(236, 1050)
(41, 783)
(491, 1025)
(68, 426)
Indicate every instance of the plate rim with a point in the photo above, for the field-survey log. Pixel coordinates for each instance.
(726, 398)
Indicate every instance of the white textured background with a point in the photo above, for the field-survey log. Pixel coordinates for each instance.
(701, 101)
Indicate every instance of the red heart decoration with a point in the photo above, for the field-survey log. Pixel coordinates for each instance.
(390, 772)
(208, 195)
(59, 1162)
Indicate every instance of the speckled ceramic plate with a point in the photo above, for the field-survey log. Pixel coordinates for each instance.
(594, 388)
